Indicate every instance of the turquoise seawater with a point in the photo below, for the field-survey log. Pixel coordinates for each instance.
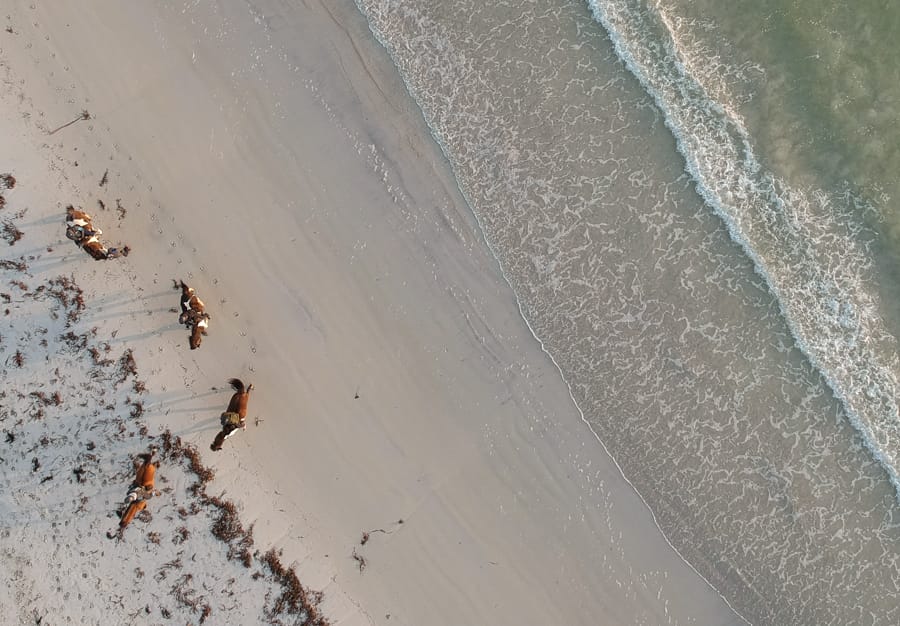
(695, 203)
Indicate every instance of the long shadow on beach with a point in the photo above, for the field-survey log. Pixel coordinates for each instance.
(114, 315)
(43, 262)
(157, 403)
(122, 298)
(139, 336)
(43, 221)
(211, 425)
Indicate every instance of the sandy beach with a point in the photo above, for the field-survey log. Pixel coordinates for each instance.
(410, 450)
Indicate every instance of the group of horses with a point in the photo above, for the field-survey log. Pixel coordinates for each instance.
(80, 229)
(193, 314)
(143, 486)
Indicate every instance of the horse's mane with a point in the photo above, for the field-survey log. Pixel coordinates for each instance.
(236, 384)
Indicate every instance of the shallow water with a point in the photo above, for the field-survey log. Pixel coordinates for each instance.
(718, 311)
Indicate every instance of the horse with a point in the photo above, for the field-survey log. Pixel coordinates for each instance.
(74, 217)
(80, 229)
(79, 225)
(200, 322)
(190, 304)
(98, 251)
(235, 415)
(141, 490)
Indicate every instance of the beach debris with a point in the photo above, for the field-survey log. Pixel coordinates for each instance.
(181, 535)
(365, 536)
(361, 561)
(85, 115)
(7, 181)
(18, 358)
(9, 264)
(105, 178)
(67, 292)
(11, 233)
(127, 366)
(294, 599)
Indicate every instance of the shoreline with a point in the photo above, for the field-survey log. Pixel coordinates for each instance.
(386, 349)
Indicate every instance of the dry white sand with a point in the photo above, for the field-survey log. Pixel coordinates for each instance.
(268, 154)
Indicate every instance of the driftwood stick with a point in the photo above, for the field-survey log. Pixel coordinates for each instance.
(84, 116)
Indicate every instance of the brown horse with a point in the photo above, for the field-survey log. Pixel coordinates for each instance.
(98, 251)
(141, 491)
(74, 217)
(79, 226)
(200, 322)
(235, 415)
(191, 305)
(80, 229)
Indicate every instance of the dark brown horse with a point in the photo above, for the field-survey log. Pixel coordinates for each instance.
(191, 305)
(193, 313)
(235, 416)
(200, 322)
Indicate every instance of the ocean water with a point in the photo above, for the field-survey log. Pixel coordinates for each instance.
(696, 205)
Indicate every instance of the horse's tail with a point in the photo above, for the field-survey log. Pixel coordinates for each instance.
(237, 385)
(218, 441)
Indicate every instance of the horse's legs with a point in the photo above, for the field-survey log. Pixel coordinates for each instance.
(133, 509)
(223, 434)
